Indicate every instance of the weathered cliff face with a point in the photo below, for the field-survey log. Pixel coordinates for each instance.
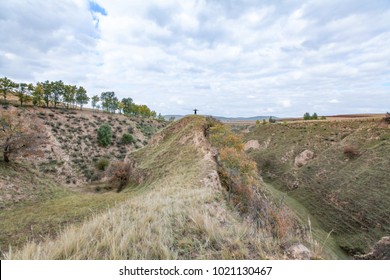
(380, 251)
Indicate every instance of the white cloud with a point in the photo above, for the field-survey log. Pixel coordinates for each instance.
(285, 103)
(224, 57)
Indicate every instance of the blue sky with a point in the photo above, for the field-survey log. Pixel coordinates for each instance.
(231, 58)
(95, 8)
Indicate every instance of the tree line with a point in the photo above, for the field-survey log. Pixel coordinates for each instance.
(44, 93)
(108, 102)
(53, 93)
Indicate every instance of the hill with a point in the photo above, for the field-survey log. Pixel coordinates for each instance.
(225, 119)
(43, 193)
(72, 152)
(179, 209)
(336, 170)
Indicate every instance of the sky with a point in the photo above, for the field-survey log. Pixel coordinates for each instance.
(227, 58)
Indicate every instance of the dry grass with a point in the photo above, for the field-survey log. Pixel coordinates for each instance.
(351, 151)
(159, 225)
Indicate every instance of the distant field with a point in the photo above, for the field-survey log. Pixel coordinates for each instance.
(328, 118)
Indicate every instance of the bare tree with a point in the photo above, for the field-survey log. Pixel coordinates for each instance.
(20, 134)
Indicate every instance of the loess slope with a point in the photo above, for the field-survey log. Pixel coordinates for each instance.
(345, 186)
(178, 213)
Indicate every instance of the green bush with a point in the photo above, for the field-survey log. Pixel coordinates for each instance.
(104, 135)
(271, 120)
(102, 164)
(307, 116)
(127, 139)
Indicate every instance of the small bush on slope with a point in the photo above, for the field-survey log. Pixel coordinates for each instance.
(104, 135)
(102, 164)
(127, 139)
(122, 173)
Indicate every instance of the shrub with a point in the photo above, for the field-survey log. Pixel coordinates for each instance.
(104, 135)
(122, 173)
(237, 172)
(281, 222)
(102, 164)
(221, 136)
(351, 151)
(127, 139)
(387, 118)
(146, 129)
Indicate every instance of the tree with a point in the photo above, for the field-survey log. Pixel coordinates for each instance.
(271, 120)
(81, 97)
(144, 111)
(127, 106)
(160, 117)
(19, 134)
(95, 100)
(114, 106)
(57, 92)
(6, 86)
(23, 91)
(314, 117)
(306, 116)
(104, 135)
(46, 86)
(120, 107)
(37, 95)
(107, 99)
(69, 94)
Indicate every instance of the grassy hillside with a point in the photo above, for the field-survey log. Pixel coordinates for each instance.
(35, 207)
(179, 211)
(345, 186)
(43, 194)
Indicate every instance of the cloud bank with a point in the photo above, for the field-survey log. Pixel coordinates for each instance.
(231, 58)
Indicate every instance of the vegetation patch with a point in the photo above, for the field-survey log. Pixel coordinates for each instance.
(127, 139)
